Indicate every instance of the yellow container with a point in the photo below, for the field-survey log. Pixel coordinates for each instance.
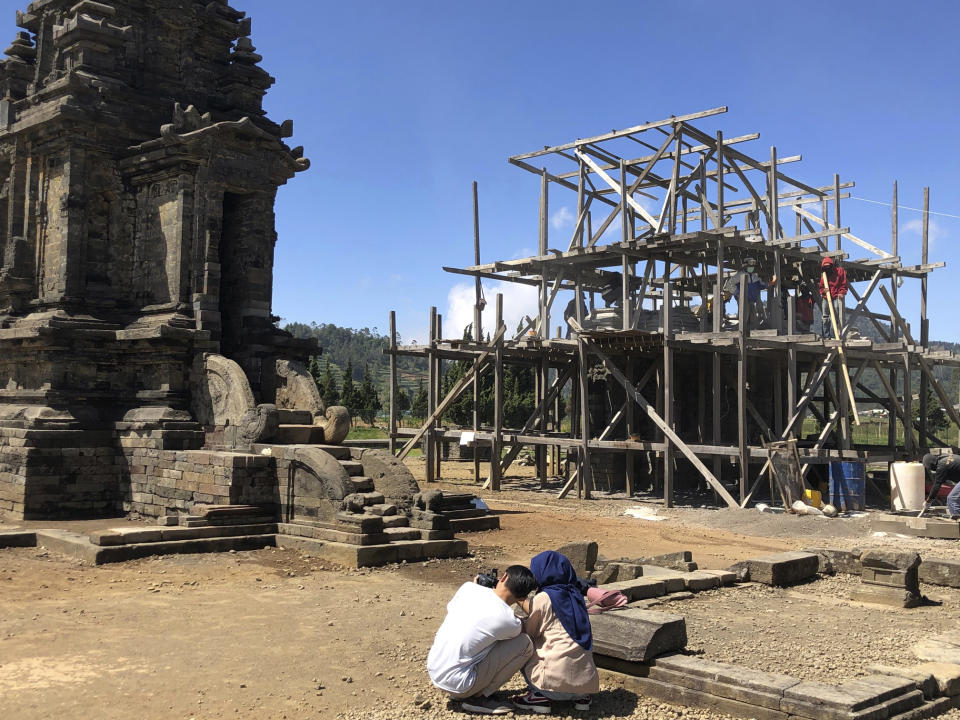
(813, 498)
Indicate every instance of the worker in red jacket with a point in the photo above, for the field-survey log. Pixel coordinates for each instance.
(838, 286)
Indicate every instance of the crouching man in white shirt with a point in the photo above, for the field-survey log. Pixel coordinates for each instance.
(480, 646)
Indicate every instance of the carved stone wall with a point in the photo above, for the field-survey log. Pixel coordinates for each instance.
(138, 173)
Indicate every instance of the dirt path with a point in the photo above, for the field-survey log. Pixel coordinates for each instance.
(273, 634)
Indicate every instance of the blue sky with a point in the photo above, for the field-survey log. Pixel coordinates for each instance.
(401, 105)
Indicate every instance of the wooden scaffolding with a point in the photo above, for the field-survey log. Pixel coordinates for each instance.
(666, 215)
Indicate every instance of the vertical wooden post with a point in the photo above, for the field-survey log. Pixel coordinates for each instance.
(392, 427)
(668, 414)
(773, 233)
(894, 327)
(497, 403)
(720, 171)
(908, 406)
(792, 379)
(924, 321)
(718, 313)
(439, 444)
(430, 454)
(543, 381)
(585, 476)
(631, 421)
(477, 328)
(544, 327)
(743, 450)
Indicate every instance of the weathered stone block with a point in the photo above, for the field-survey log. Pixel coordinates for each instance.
(639, 588)
(939, 648)
(922, 679)
(361, 523)
(673, 580)
(946, 675)
(940, 572)
(637, 635)
(890, 560)
(886, 595)
(582, 555)
(782, 569)
(906, 579)
(836, 560)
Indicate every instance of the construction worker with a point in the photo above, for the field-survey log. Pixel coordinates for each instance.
(837, 292)
(941, 469)
(753, 312)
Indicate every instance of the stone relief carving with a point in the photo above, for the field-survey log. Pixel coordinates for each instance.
(221, 399)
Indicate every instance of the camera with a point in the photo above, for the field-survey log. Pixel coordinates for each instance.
(488, 579)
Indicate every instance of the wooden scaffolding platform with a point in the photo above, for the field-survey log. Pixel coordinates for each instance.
(687, 387)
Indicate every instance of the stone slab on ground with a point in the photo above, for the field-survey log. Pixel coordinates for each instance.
(917, 527)
(939, 649)
(747, 693)
(637, 635)
(673, 580)
(374, 555)
(333, 534)
(883, 595)
(18, 538)
(940, 572)
(638, 588)
(79, 546)
(582, 555)
(783, 569)
(724, 576)
(946, 676)
(922, 679)
(681, 560)
(837, 560)
(475, 524)
(700, 580)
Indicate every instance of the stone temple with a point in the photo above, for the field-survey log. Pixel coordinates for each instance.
(141, 369)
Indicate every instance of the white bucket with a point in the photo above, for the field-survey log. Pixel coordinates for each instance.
(907, 485)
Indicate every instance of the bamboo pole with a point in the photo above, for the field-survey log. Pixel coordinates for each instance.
(841, 353)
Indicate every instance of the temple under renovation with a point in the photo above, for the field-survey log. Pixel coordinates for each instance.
(141, 369)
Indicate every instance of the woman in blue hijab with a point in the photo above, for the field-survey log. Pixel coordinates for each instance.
(562, 667)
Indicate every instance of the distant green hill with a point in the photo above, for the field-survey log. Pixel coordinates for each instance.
(363, 347)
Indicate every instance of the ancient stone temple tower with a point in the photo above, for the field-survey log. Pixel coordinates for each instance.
(138, 172)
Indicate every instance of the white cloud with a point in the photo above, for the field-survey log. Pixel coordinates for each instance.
(915, 227)
(518, 301)
(561, 218)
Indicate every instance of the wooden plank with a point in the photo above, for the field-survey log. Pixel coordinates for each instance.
(652, 221)
(853, 238)
(843, 357)
(621, 133)
(497, 400)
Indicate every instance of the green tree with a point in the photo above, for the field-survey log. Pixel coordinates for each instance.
(937, 418)
(328, 386)
(315, 370)
(418, 408)
(401, 400)
(368, 400)
(348, 391)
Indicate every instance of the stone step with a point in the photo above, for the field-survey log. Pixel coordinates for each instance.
(394, 521)
(401, 533)
(340, 452)
(332, 534)
(475, 524)
(136, 536)
(362, 484)
(458, 514)
(384, 509)
(295, 417)
(354, 468)
(298, 435)
(372, 555)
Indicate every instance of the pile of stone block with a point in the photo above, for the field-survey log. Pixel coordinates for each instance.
(749, 693)
(458, 511)
(889, 577)
(929, 527)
